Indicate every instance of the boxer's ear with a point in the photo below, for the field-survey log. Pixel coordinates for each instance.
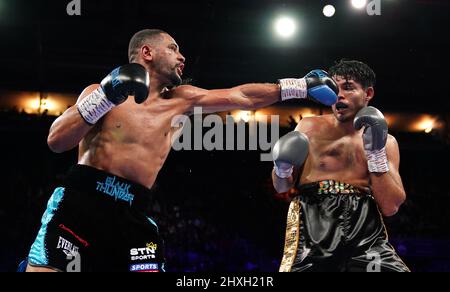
(147, 53)
(370, 92)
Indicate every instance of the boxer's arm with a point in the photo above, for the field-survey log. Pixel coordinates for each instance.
(316, 85)
(388, 187)
(245, 97)
(68, 129)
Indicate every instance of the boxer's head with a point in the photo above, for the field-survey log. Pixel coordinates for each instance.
(356, 81)
(159, 53)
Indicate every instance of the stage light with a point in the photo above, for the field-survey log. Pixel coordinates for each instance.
(329, 10)
(359, 4)
(261, 116)
(426, 124)
(285, 27)
(37, 105)
(244, 116)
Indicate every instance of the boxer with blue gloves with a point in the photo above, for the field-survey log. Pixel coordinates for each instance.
(124, 128)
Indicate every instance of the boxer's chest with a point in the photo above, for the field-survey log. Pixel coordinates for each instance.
(142, 124)
(337, 153)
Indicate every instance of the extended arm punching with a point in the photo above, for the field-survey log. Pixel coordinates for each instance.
(316, 85)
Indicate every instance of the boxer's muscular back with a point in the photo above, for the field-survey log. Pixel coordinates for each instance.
(133, 140)
(333, 153)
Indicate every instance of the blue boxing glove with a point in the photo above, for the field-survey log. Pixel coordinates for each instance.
(317, 85)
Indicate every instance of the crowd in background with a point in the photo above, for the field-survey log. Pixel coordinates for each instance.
(217, 211)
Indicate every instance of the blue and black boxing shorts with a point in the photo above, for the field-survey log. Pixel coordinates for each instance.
(336, 227)
(98, 222)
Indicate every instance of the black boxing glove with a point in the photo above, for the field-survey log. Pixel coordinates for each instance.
(291, 150)
(131, 79)
(374, 137)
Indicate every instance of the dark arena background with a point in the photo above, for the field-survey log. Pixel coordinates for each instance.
(218, 210)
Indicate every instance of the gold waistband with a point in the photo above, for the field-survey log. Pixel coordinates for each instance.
(327, 187)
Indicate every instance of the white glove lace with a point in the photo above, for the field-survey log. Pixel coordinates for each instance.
(377, 160)
(293, 88)
(93, 107)
(282, 172)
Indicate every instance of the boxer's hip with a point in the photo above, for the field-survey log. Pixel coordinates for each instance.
(89, 181)
(102, 219)
(330, 220)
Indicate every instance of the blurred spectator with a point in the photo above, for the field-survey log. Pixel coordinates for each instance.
(213, 215)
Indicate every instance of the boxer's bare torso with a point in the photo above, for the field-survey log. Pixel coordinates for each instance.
(334, 152)
(134, 140)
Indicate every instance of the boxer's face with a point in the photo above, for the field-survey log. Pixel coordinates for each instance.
(351, 98)
(168, 61)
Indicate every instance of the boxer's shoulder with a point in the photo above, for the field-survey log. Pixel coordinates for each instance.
(391, 141)
(314, 123)
(185, 92)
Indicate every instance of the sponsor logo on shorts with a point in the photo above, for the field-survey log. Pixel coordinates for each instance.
(67, 247)
(148, 268)
(82, 241)
(145, 253)
(118, 190)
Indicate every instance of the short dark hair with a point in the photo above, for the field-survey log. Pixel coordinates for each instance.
(355, 70)
(140, 38)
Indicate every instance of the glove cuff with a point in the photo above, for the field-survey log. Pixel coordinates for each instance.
(94, 106)
(377, 160)
(283, 172)
(293, 88)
